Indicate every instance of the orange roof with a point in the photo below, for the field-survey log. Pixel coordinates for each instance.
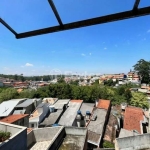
(132, 118)
(77, 101)
(103, 104)
(19, 90)
(14, 118)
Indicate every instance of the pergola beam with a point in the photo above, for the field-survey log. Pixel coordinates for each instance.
(55, 12)
(88, 22)
(7, 26)
(136, 4)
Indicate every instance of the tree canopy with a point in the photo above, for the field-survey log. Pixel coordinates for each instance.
(143, 69)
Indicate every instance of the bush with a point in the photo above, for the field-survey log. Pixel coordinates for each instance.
(4, 136)
(107, 144)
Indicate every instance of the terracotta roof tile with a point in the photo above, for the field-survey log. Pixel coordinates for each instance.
(14, 118)
(132, 118)
(77, 101)
(103, 104)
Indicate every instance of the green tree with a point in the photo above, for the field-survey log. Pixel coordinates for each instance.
(143, 69)
(139, 100)
(128, 95)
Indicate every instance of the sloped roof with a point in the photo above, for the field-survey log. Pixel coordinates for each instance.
(7, 107)
(132, 118)
(14, 118)
(103, 104)
(25, 103)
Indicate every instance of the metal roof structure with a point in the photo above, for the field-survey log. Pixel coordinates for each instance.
(25, 103)
(7, 107)
(134, 12)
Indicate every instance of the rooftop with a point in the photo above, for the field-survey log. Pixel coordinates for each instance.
(60, 103)
(13, 118)
(77, 101)
(126, 133)
(86, 107)
(52, 118)
(132, 118)
(95, 128)
(7, 107)
(103, 104)
(25, 103)
(69, 115)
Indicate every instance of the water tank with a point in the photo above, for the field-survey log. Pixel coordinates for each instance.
(78, 118)
(88, 114)
(55, 125)
(96, 102)
(52, 108)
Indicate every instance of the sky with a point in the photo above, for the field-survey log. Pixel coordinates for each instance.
(100, 49)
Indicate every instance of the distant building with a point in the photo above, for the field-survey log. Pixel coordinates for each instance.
(19, 119)
(1, 84)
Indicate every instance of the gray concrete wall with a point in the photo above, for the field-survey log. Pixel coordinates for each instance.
(18, 139)
(76, 131)
(44, 134)
(58, 140)
(133, 142)
(30, 139)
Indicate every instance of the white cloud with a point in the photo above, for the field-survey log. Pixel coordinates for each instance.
(28, 65)
(105, 48)
(6, 68)
(83, 54)
(148, 31)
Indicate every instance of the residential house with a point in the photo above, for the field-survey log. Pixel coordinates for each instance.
(7, 107)
(18, 119)
(56, 112)
(1, 84)
(134, 119)
(18, 138)
(27, 107)
(38, 115)
(97, 123)
(69, 116)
